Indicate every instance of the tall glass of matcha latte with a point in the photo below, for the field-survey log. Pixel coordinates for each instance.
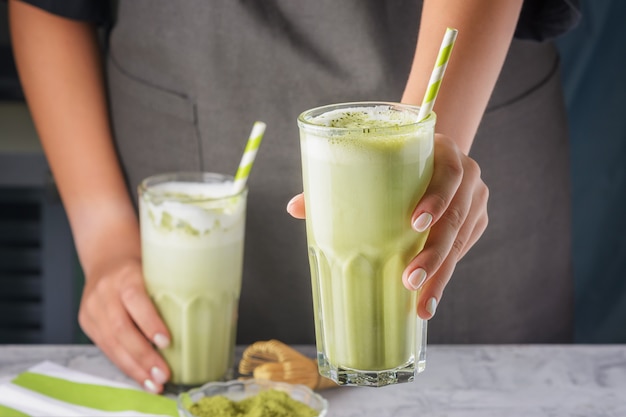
(192, 234)
(365, 166)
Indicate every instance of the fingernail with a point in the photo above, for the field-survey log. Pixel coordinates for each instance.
(417, 278)
(150, 386)
(158, 375)
(431, 306)
(161, 340)
(290, 203)
(422, 222)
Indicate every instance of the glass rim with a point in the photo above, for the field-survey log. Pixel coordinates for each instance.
(145, 187)
(304, 121)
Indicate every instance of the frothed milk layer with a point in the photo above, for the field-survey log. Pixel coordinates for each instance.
(194, 190)
(364, 117)
(368, 136)
(192, 210)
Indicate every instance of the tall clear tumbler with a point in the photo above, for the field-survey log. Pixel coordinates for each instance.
(365, 167)
(192, 236)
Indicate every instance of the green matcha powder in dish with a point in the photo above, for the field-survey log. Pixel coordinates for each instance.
(270, 403)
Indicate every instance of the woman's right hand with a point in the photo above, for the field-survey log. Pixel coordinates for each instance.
(118, 316)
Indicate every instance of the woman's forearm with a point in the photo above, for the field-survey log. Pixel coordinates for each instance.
(485, 31)
(61, 73)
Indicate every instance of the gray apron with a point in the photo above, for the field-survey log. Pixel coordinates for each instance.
(188, 79)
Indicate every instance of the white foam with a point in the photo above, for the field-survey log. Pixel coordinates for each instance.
(196, 190)
(203, 206)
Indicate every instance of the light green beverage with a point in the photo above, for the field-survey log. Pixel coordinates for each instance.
(365, 166)
(192, 234)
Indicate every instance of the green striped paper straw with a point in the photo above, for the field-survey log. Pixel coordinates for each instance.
(437, 75)
(247, 159)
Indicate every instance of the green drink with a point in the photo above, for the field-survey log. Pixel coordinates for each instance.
(192, 234)
(365, 166)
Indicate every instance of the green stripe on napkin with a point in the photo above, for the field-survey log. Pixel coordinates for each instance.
(10, 412)
(99, 397)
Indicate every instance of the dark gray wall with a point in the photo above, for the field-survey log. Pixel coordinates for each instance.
(594, 63)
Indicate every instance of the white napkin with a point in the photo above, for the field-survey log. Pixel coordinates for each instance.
(50, 390)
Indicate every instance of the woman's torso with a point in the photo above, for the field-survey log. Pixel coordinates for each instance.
(186, 83)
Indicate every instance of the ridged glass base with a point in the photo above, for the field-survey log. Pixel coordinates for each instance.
(356, 377)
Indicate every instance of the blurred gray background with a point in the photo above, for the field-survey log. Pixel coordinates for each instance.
(594, 59)
(40, 280)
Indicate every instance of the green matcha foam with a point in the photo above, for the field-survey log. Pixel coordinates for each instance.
(366, 135)
(375, 117)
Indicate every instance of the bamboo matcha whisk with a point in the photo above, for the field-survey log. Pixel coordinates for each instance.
(276, 361)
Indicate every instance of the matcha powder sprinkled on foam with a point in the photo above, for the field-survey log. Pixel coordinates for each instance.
(271, 403)
(367, 118)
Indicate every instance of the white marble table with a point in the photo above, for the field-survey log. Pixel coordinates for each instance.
(468, 381)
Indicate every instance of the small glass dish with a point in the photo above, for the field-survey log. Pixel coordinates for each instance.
(237, 390)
